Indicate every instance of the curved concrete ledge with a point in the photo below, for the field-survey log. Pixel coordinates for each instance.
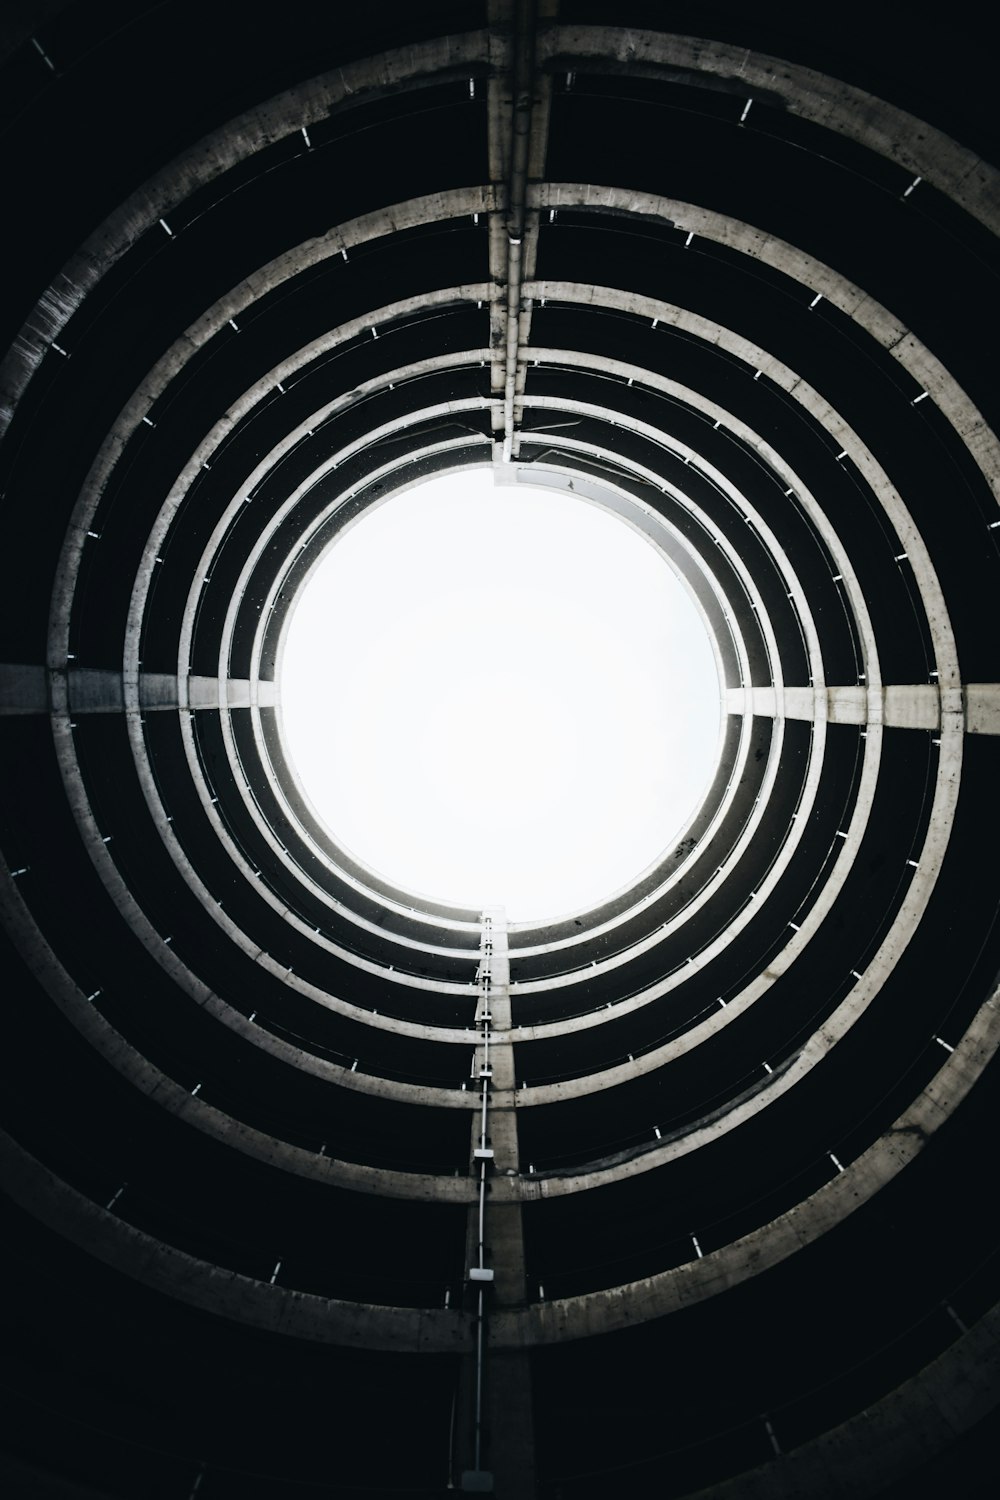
(891, 1439)
(912, 814)
(236, 141)
(269, 387)
(225, 1294)
(136, 917)
(535, 1095)
(412, 214)
(196, 1111)
(656, 1296)
(921, 150)
(809, 791)
(814, 276)
(624, 956)
(205, 565)
(599, 1311)
(275, 781)
(828, 418)
(715, 476)
(189, 984)
(654, 526)
(837, 1025)
(777, 966)
(638, 374)
(769, 455)
(917, 147)
(140, 589)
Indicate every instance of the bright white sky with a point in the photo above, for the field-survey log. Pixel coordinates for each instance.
(499, 696)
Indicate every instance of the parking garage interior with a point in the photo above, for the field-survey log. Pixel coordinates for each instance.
(316, 1186)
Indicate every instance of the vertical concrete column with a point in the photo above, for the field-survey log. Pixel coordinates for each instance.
(497, 1387)
(499, 107)
(518, 103)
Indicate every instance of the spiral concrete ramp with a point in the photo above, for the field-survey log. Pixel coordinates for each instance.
(730, 273)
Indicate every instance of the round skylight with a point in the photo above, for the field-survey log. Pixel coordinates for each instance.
(499, 695)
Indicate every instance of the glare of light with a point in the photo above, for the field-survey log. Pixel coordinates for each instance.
(496, 695)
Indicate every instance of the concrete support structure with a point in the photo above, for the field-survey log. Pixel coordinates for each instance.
(518, 126)
(367, 1192)
(497, 1382)
(915, 705)
(93, 690)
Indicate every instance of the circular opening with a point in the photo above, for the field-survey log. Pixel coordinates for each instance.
(499, 695)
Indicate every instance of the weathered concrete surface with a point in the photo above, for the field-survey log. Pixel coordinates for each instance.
(23, 689)
(838, 106)
(223, 1293)
(913, 706)
(96, 690)
(892, 1438)
(888, 497)
(917, 147)
(520, 1326)
(131, 910)
(947, 779)
(814, 276)
(213, 156)
(197, 1111)
(400, 216)
(982, 707)
(655, 1296)
(508, 1438)
(708, 332)
(518, 100)
(44, 964)
(916, 705)
(510, 1434)
(844, 705)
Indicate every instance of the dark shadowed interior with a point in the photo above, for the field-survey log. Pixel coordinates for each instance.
(315, 1188)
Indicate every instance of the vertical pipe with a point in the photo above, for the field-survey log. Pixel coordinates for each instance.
(482, 1211)
(522, 91)
(479, 1382)
(451, 1441)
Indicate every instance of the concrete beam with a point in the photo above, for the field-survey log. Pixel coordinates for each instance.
(982, 707)
(498, 1431)
(916, 705)
(517, 116)
(27, 689)
(23, 689)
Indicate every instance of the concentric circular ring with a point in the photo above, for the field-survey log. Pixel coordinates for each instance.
(683, 1189)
